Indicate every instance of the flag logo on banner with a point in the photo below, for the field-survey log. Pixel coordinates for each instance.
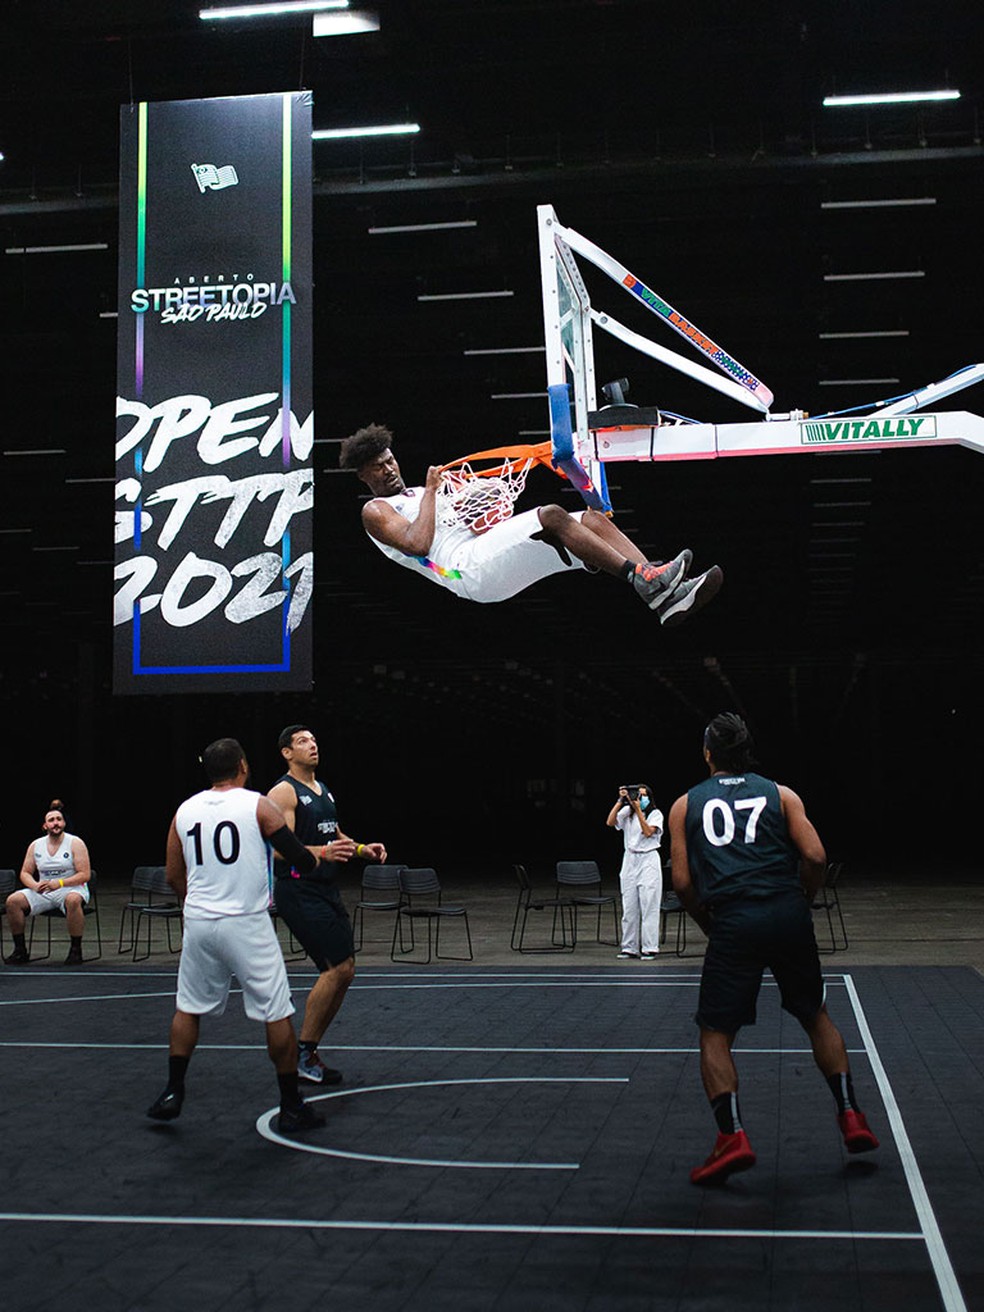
(209, 178)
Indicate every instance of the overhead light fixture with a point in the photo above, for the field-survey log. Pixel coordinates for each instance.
(876, 204)
(380, 130)
(874, 277)
(423, 227)
(109, 314)
(461, 296)
(506, 350)
(90, 480)
(351, 23)
(15, 530)
(274, 10)
(515, 396)
(888, 332)
(889, 98)
(38, 451)
(857, 382)
(51, 250)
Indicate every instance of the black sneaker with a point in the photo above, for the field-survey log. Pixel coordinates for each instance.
(74, 957)
(167, 1107)
(295, 1120)
(690, 597)
(655, 580)
(19, 957)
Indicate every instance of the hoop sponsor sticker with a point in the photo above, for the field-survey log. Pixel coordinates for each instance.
(826, 432)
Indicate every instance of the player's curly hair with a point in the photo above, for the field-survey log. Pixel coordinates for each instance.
(364, 445)
(729, 742)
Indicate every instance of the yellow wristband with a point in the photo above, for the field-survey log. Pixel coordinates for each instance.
(61, 883)
(360, 849)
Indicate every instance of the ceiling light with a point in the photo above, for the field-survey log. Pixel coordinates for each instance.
(271, 10)
(889, 98)
(46, 250)
(507, 350)
(876, 204)
(424, 227)
(380, 130)
(54, 548)
(15, 530)
(90, 480)
(348, 24)
(868, 277)
(515, 396)
(109, 314)
(857, 382)
(461, 296)
(38, 451)
(531, 432)
(837, 337)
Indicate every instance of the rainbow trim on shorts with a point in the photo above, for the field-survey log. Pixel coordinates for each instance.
(438, 569)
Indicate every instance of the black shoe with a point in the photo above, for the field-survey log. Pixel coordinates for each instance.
(19, 957)
(295, 1120)
(74, 957)
(167, 1107)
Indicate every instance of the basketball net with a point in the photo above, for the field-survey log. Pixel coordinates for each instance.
(477, 499)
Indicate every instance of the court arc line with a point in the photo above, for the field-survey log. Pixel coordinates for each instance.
(451, 1227)
(946, 1277)
(264, 1124)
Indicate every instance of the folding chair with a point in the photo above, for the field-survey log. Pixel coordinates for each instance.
(562, 907)
(377, 881)
(670, 905)
(90, 908)
(585, 875)
(828, 900)
(418, 884)
(9, 883)
(158, 903)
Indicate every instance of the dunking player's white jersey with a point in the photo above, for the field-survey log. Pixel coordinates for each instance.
(489, 566)
(225, 853)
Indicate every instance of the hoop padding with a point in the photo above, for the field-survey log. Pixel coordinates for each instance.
(478, 498)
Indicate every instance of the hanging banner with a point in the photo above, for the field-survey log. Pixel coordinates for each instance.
(215, 424)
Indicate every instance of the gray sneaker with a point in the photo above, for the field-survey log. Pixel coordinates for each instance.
(655, 580)
(690, 596)
(310, 1067)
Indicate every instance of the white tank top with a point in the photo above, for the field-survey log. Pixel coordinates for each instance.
(59, 866)
(226, 854)
(439, 563)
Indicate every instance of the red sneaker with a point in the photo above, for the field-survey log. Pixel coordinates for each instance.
(731, 1153)
(857, 1137)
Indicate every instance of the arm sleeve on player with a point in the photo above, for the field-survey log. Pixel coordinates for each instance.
(293, 850)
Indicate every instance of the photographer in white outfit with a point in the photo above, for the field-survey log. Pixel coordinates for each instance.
(641, 876)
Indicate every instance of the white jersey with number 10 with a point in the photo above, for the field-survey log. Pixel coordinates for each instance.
(225, 853)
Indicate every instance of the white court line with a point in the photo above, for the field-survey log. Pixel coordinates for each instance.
(418, 1047)
(946, 1277)
(95, 997)
(264, 1125)
(452, 1227)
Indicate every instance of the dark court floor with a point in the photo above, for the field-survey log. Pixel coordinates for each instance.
(507, 1137)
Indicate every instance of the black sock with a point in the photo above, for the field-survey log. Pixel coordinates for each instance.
(628, 570)
(290, 1098)
(725, 1109)
(308, 1045)
(842, 1087)
(176, 1067)
(76, 940)
(19, 944)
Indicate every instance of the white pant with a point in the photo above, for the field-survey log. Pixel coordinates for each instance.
(214, 950)
(641, 879)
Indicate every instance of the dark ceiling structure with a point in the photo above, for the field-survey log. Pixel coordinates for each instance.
(836, 252)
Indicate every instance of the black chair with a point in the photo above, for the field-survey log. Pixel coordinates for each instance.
(828, 900)
(670, 905)
(294, 950)
(151, 898)
(91, 908)
(422, 902)
(584, 875)
(561, 907)
(377, 882)
(9, 883)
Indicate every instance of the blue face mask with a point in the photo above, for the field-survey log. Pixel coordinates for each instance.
(643, 801)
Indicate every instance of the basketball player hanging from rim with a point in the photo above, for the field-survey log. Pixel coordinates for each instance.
(459, 530)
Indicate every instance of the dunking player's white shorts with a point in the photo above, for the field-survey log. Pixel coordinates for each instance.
(505, 560)
(214, 950)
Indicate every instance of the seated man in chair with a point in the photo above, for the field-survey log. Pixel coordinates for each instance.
(55, 875)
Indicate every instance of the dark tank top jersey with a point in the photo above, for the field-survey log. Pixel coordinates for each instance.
(738, 844)
(315, 823)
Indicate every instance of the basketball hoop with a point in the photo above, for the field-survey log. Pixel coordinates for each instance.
(477, 499)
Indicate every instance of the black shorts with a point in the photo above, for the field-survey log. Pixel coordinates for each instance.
(746, 937)
(315, 914)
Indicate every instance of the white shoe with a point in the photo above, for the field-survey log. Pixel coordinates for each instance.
(634, 956)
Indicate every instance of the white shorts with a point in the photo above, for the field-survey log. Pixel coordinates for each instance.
(39, 903)
(505, 560)
(245, 946)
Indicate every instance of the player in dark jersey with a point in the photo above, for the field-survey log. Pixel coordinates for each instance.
(746, 864)
(312, 906)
